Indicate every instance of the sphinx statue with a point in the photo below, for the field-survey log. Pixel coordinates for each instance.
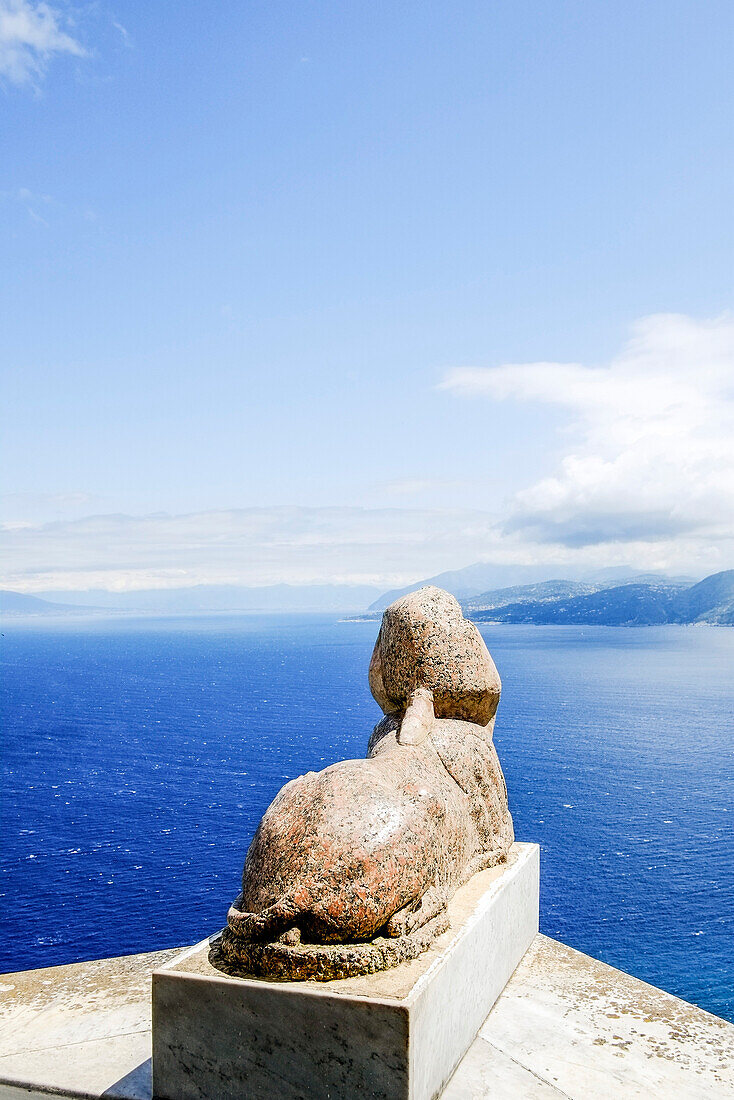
(352, 868)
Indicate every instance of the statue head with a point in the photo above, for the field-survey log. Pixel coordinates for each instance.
(426, 647)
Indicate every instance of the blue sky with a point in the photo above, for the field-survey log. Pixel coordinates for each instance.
(266, 263)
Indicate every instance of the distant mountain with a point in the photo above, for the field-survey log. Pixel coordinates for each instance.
(710, 601)
(625, 605)
(471, 581)
(18, 603)
(636, 603)
(645, 599)
(484, 579)
(548, 591)
(219, 597)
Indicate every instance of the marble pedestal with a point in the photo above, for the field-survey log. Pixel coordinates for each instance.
(396, 1035)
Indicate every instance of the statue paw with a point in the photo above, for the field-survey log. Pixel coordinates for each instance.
(416, 913)
(291, 937)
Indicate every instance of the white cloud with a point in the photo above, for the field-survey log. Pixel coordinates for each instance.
(31, 202)
(124, 35)
(259, 546)
(254, 546)
(31, 33)
(652, 453)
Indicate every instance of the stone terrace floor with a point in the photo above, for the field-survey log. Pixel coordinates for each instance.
(565, 1026)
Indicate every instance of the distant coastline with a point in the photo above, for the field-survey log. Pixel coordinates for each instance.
(641, 600)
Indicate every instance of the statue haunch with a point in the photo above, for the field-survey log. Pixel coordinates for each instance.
(352, 868)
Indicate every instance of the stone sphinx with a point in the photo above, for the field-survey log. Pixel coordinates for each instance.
(351, 868)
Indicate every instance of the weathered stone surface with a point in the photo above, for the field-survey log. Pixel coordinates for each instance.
(351, 868)
(425, 642)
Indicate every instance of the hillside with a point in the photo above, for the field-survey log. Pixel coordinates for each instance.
(528, 593)
(625, 605)
(710, 601)
(646, 603)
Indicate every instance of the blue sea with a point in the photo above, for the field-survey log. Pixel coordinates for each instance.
(139, 756)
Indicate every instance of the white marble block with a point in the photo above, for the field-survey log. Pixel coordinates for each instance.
(395, 1035)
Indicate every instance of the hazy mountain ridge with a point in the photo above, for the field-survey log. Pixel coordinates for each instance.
(197, 599)
(470, 582)
(18, 603)
(480, 584)
(643, 600)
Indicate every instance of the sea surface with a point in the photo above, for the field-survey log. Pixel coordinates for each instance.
(139, 755)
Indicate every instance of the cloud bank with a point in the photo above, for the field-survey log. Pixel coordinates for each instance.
(256, 546)
(651, 437)
(385, 547)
